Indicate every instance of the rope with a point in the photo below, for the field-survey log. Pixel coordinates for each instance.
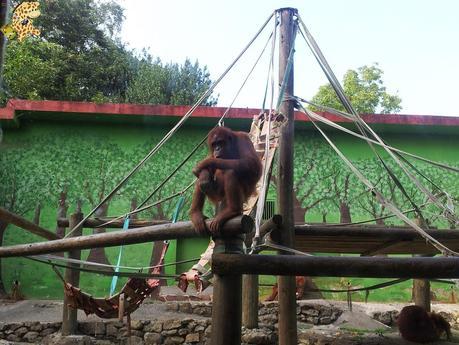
(107, 273)
(140, 208)
(137, 210)
(173, 130)
(337, 112)
(50, 258)
(288, 67)
(271, 66)
(363, 127)
(266, 170)
(448, 214)
(429, 239)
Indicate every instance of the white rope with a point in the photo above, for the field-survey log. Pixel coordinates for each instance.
(220, 123)
(267, 149)
(362, 125)
(51, 258)
(173, 130)
(429, 239)
(448, 214)
(348, 116)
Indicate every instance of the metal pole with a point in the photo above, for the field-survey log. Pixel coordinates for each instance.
(287, 302)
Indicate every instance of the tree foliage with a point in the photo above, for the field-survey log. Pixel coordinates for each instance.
(79, 57)
(366, 91)
(155, 83)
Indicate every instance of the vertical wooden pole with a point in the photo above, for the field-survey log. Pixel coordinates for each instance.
(227, 299)
(421, 287)
(287, 302)
(250, 300)
(69, 315)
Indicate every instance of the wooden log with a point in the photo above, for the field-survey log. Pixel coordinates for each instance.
(274, 223)
(12, 218)
(250, 284)
(240, 224)
(250, 300)
(407, 232)
(287, 288)
(323, 266)
(370, 240)
(227, 298)
(115, 224)
(69, 315)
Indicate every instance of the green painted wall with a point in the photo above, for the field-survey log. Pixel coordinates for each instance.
(40, 159)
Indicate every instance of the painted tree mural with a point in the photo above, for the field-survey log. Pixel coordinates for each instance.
(58, 165)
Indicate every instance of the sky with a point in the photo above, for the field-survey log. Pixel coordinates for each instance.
(415, 43)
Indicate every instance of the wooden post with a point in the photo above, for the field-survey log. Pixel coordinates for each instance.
(227, 297)
(250, 300)
(421, 287)
(287, 301)
(69, 315)
(250, 286)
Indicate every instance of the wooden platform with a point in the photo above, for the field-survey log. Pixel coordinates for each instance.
(369, 240)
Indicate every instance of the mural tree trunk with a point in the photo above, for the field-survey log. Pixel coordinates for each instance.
(37, 213)
(61, 213)
(299, 212)
(98, 254)
(344, 213)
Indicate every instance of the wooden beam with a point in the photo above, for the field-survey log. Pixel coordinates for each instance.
(118, 224)
(369, 240)
(323, 266)
(237, 225)
(12, 218)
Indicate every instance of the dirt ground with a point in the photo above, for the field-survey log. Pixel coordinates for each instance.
(354, 327)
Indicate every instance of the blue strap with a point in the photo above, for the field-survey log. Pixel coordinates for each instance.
(117, 268)
(178, 208)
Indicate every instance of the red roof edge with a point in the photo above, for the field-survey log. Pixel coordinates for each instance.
(113, 109)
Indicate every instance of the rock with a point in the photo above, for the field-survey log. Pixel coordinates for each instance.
(192, 338)
(185, 308)
(92, 328)
(172, 324)
(58, 339)
(13, 337)
(133, 340)
(153, 338)
(174, 340)
(111, 330)
(154, 327)
(257, 336)
(101, 342)
(47, 331)
(30, 336)
(172, 306)
(137, 325)
(21, 331)
(36, 327)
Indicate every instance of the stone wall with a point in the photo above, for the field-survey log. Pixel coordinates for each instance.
(183, 328)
